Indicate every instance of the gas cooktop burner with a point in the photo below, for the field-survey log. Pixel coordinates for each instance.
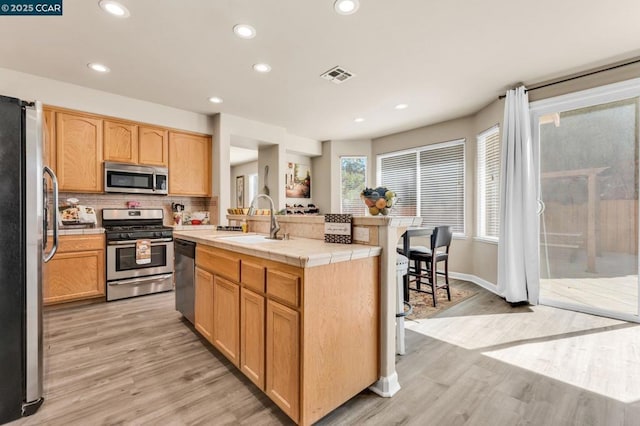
(135, 224)
(127, 233)
(137, 228)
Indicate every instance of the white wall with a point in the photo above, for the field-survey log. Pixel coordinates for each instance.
(66, 95)
(303, 146)
(245, 170)
(220, 126)
(322, 179)
(272, 156)
(271, 141)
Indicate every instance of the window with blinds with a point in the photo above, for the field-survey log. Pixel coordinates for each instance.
(399, 173)
(488, 169)
(353, 179)
(442, 187)
(429, 182)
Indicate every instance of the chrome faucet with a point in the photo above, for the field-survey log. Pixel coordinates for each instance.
(274, 228)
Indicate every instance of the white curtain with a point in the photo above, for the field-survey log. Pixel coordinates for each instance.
(518, 275)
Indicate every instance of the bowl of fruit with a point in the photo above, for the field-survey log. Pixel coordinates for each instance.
(379, 200)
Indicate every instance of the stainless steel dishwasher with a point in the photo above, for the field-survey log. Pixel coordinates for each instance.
(185, 257)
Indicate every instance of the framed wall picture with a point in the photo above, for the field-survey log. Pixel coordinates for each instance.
(240, 191)
(298, 181)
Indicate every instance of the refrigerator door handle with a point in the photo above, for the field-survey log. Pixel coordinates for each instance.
(54, 179)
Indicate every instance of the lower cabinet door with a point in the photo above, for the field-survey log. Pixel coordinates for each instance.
(283, 358)
(252, 336)
(226, 318)
(74, 276)
(204, 303)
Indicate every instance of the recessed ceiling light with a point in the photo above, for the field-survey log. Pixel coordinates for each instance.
(114, 8)
(262, 67)
(401, 106)
(98, 67)
(215, 100)
(358, 120)
(346, 7)
(244, 31)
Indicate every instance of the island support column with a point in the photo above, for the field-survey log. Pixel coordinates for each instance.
(388, 236)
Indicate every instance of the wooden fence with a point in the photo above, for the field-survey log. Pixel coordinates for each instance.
(616, 224)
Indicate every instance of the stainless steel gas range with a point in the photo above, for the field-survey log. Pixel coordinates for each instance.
(139, 252)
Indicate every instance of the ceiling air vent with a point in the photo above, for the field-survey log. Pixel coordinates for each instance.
(337, 75)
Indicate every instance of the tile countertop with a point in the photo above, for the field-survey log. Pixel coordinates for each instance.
(78, 231)
(300, 252)
(193, 227)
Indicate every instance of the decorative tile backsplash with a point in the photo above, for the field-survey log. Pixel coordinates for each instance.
(111, 201)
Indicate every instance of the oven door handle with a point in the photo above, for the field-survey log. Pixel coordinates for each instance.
(141, 280)
(157, 240)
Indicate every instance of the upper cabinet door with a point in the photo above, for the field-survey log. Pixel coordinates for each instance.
(79, 152)
(189, 164)
(49, 138)
(120, 142)
(153, 146)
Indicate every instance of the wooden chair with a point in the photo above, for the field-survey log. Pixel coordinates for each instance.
(439, 252)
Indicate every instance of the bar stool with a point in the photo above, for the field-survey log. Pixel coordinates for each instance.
(402, 267)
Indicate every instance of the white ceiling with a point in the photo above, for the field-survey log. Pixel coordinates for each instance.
(445, 59)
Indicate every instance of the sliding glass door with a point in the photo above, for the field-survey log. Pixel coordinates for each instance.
(589, 201)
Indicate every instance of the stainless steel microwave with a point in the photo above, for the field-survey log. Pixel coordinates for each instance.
(136, 179)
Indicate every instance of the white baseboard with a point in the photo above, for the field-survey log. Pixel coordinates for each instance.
(476, 280)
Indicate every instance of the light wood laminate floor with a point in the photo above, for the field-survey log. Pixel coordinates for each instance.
(616, 294)
(481, 362)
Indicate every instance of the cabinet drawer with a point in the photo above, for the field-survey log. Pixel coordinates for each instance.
(69, 243)
(252, 276)
(284, 286)
(218, 262)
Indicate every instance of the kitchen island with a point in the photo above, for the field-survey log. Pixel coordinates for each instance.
(300, 317)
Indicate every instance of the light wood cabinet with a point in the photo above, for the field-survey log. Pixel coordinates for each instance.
(284, 287)
(77, 271)
(189, 164)
(308, 337)
(252, 332)
(78, 152)
(77, 143)
(126, 142)
(120, 142)
(204, 303)
(49, 138)
(283, 357)
(226, 318)
(153, 146)
(220, 262)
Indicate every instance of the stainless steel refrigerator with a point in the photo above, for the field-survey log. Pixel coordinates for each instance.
(24, 197)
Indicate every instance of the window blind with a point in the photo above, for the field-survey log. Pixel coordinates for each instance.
(429, 182)
(442, 187)
(488, 178)
(398, 173)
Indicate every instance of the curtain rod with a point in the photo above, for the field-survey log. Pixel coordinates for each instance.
(575, 77)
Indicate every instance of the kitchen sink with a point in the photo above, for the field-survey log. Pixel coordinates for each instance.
(247, 239)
